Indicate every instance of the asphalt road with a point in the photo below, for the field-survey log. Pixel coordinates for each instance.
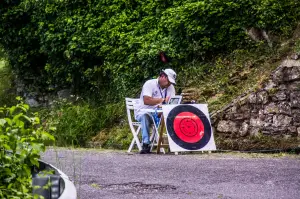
(115, 174)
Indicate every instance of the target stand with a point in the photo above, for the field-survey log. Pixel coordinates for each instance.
(160, 143)
(188, 128)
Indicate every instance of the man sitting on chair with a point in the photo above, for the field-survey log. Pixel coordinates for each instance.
(155, 92)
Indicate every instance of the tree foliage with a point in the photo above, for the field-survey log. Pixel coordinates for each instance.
(104, 46)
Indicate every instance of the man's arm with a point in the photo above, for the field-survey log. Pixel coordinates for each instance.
(153, 101)
(147, 93)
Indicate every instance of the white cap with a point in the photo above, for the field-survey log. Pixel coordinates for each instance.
(171, 75)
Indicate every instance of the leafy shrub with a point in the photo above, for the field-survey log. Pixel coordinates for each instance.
(21, 141)
(77, 124)
(103, 46)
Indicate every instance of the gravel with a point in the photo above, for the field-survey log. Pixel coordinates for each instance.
(116, 174)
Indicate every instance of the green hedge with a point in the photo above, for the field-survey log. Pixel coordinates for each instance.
(104, 46)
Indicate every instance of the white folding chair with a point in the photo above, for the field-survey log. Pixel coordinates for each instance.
(135, 126)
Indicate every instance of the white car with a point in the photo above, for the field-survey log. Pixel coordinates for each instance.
(51, 183)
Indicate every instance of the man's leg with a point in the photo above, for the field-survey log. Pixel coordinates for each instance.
(146, 122)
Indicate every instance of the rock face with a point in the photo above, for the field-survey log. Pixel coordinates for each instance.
(274, 110)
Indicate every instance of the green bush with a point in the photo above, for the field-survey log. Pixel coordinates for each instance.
(103, 46)
(76, 124)
(7, 93)
(21, 141)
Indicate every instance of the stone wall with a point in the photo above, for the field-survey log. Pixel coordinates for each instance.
(35, 98)
(273, 110)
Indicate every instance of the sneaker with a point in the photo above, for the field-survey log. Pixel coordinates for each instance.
(145, 149)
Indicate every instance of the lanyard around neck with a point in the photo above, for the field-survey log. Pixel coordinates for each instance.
(161, 92)
(159, 88)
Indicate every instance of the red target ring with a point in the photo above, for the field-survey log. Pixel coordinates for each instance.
(188, 127)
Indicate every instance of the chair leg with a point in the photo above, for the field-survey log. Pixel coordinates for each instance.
(131, 146)
(155, 136)
(135, 140)
(162, 150)
(138, 143)
(152, 138)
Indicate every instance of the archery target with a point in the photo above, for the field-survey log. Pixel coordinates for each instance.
(188, 127)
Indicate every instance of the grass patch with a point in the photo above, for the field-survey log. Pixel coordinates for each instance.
(118, 137)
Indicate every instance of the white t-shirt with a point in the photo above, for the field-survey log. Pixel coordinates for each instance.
(151, 88)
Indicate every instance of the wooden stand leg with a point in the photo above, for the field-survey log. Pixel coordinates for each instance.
(161, 131)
